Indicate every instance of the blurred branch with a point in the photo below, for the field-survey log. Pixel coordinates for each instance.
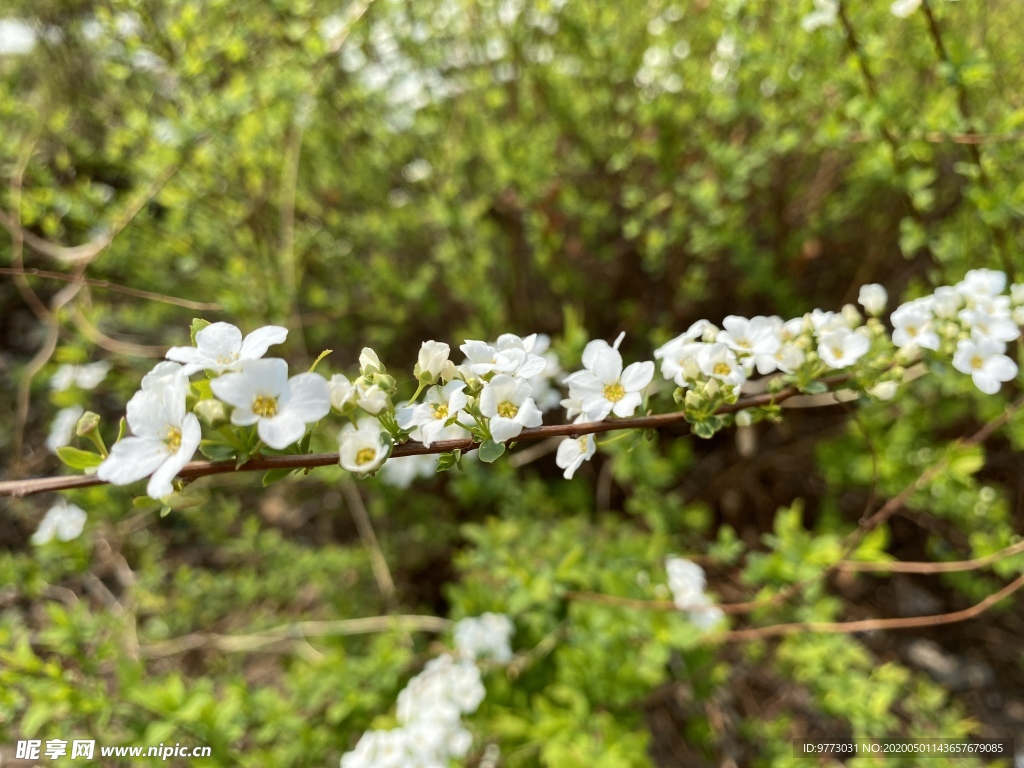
(196, 469)
(109, 286)
(381, 572)
(286, 637)
(954, 566)
(869, 625)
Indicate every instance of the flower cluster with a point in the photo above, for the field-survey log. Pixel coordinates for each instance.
(686, 582)
(971, 322)
(431, 706)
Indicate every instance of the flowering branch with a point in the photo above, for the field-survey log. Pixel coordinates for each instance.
(196, 469)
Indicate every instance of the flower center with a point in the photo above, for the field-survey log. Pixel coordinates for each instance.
(227, 359)
(173, 439)
(911, 331)
(507, 410)
(614, 392)
(837, 351)
(264, 405)
(440, 410)
(721, 369)
(977, 363)
(365, 456)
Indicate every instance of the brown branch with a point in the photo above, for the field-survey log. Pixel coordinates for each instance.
(196, 469)
(109, 286)
(868, 625)
(954, 566)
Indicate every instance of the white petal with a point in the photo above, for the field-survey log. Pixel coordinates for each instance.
(607, 365)
(131, 459)
(597, 408)
(637, 376)
(1001, 368)
(234, 389)
(256, 343)
(627, 405)
(269, 376)
(529, 415)
(219, 339)
(503, 429)
(431, 431)
(193, 359)
(309, 397)
(282, 430)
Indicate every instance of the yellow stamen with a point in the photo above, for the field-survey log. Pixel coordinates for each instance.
(365, 456)
(614, 392)
(977, 362)
(264, 405)
(173, 439)
(722, 369)
(507, 410)
(440, 410)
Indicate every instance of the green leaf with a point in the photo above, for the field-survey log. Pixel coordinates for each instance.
(490, 451)
(814, 388)
(122, 428)
(273, 475)
(215, 450)
(447, 461)
(76, 458)
(202, 389)
(197, 325)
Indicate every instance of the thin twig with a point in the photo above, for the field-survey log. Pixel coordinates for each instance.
(109, 286)
(381, 572)
(954, 566)
(283, 637)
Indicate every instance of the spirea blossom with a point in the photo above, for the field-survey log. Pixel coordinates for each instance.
(363, 448)
(87, 376)
(573, 451)
(604, 387)
(442, 404)
(842, 348)
(262, 394)
(220, 347)
(873, 298)
(686, 581)
(506, 401)
(985, 362)
(62, 521)
(164, 437)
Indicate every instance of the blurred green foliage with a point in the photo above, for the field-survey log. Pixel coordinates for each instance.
(387, 173)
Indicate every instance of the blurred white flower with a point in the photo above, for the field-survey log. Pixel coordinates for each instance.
(904, 8)
(87, 376)
(487, 635)
(62, 521)
(825, 14)
(842, 348)
(985, 362)
(63, 427)
(873, 298)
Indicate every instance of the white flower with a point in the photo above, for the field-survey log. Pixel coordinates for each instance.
(164, 437)
(686, 581)
(433, 358)
(262, 394)
(342, 391)
(488, 634)
(678, 356)
(63, 427)
(719, 362)
(572, 452)
(604, 387)
(839, 349)
(945, 301)
(507, 403)
(912, 327)
(446, 689)
(904, 8)
(400, 472)
(756, 337)
(824, 14)
(873, 298)
(62, 520)
(986, 326)
(220, 347)
(982, 283)
(87, 376)
(442, 404)
(823, 322)
(510, 355)
(363, 448)
(789, 357)
(985, 361)
(371, 399)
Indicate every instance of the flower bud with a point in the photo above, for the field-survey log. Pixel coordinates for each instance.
(744, 419)
(372, 399)
(884, 390)
(211, 412)
(712, 388)
(873, 298)
(87, 423)
(775, 385)
(432, 360)
(369, 363)
(694, 401)
(851, 316)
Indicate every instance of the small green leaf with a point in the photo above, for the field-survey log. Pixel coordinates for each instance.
(814, 388)
(202, 389)
(144, 501)
(273, 475)
(197, 325)
(491, 451)
(447, 461)
(319, 357)
(76, 458)
(215, 450)
(181, 501)
(122, 428)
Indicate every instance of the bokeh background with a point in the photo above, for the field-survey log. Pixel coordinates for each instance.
(381, 173)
